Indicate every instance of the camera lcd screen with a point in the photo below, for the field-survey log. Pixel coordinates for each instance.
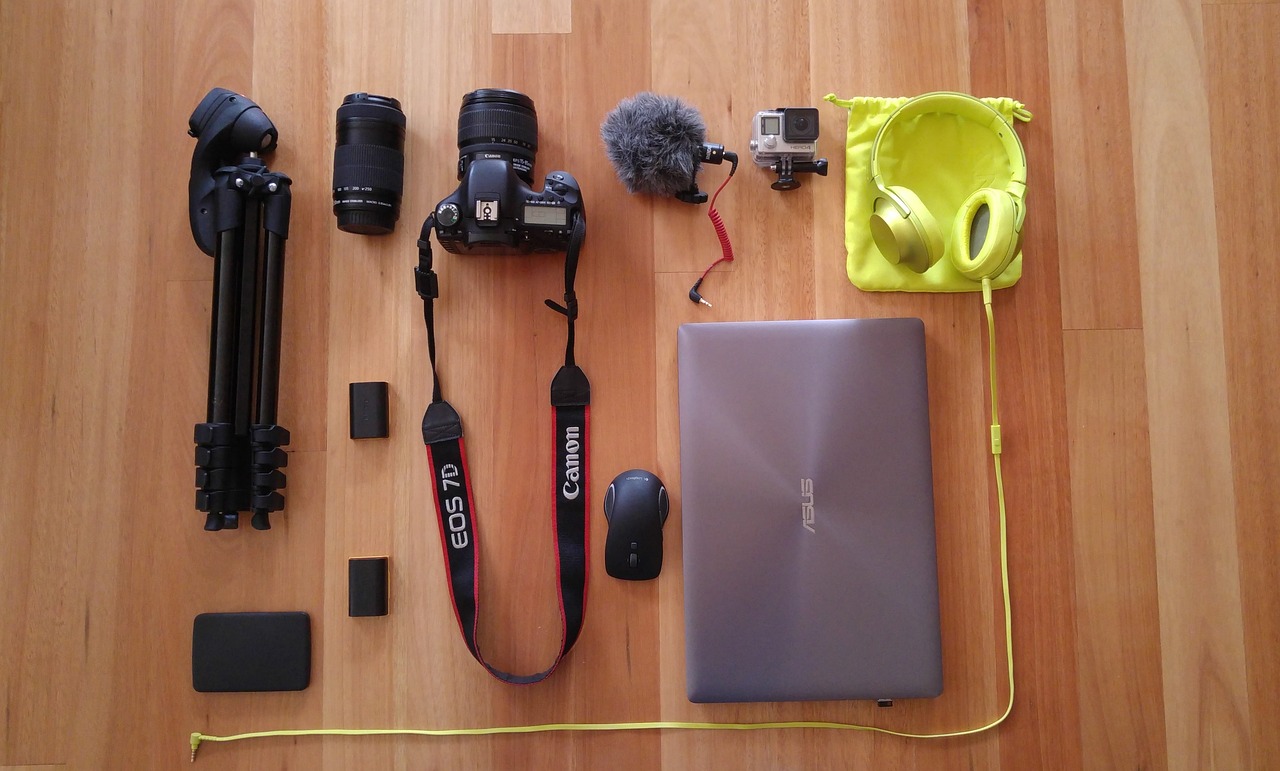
(771, 125)
(555, 216)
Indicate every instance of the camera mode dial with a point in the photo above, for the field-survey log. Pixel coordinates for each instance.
(447, 215)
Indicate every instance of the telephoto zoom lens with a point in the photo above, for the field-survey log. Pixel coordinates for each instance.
(368, 164)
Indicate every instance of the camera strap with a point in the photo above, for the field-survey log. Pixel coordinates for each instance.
(455, 506)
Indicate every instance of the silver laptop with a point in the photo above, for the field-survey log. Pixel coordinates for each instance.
(810, 570)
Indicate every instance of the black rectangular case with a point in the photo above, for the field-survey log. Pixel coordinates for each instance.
(251, 652)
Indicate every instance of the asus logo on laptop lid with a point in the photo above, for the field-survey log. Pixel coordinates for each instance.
(806, 504)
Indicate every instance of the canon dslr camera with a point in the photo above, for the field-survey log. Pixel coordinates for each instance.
(495, 207)
(785, 141)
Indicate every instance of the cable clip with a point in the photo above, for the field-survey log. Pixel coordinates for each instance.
(569, 309)
(426, 282)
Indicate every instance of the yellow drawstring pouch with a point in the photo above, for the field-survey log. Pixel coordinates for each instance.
(943, 158)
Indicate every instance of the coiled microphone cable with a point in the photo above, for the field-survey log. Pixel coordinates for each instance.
(722, 233)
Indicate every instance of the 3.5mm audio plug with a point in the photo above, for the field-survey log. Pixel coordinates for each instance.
(694, 296)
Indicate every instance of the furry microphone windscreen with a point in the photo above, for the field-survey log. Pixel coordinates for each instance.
(654, 143)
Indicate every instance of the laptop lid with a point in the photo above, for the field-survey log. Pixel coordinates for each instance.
(810, 569)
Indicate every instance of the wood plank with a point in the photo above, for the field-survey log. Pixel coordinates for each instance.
(1201, 624)
(1093, 183)
(958, 367)
(77, 417)
(139, 604)
(771, 278)
(973, 653)
(29, 733)
(230, 571)
(522, 17)
(364, 317)
(1242, 63)
(211, 45)
(1114, 543)
(1042, 571)
(617, 350)
(934, 56)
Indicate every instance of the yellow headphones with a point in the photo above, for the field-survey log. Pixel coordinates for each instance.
(987, 232)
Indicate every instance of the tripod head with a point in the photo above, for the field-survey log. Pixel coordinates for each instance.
(226, 126)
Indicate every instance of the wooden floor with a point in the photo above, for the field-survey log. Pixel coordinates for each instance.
(1138, 365)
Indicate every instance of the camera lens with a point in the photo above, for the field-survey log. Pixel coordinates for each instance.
(368, 164)
(801, 124)
(499, 121)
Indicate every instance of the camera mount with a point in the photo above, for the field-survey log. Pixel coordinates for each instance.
(786, 168)
(239, 211)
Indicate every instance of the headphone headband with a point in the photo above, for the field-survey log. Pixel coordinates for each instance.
(967, 107)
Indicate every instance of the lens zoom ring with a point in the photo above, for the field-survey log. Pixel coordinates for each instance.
(486, 125)
(368, 165)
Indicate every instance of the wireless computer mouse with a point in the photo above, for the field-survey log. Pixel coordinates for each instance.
(635, 506)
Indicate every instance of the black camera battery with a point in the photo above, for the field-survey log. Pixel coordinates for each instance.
(367, 586)
(369, 410)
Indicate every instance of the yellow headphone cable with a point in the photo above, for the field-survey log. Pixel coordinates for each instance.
(197, 738)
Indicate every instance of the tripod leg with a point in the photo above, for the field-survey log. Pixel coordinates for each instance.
(267, 436)
(222, 451)
(268, 458)
(222, 343)
(269, 341)
(250, 267)
(216, 457)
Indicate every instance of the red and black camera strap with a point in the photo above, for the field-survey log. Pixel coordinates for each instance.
(451, 487)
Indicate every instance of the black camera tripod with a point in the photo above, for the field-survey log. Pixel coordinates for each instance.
(240, 216)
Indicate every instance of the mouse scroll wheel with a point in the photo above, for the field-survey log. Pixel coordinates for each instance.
(664, 505)
(609, 496)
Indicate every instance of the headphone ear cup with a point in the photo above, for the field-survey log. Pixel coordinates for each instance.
(985, 238)
(913, 241)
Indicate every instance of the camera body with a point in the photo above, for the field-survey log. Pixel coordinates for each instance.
(787, 132)
(495, 208)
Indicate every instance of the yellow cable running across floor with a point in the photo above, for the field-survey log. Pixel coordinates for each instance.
(197, 738)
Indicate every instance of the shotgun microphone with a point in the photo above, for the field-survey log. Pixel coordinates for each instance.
(657, 145)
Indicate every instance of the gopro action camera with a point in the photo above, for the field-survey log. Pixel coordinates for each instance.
(785, 141)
